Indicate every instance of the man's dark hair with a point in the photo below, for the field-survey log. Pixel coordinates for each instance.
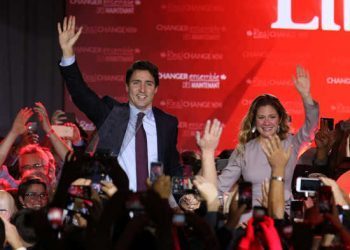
(143, 65)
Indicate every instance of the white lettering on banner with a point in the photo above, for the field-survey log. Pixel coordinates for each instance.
(173, 76)
(109, 29)
(186, 55)
(338, 80)
(93, 78)
(284, 17)
(182, 104)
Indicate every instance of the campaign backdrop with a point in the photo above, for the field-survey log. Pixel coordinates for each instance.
(216, 56)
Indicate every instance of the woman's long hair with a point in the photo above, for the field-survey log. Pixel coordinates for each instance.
(246, 134)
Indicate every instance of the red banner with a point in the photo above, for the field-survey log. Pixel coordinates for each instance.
(215, 57)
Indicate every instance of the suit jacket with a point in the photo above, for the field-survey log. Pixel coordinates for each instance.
(111, 119)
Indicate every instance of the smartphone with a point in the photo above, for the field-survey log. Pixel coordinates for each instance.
(328, 121)
(63, 131)
(182, 185)
(245, 195)
(325, 199)
(96, 181)
(79, 205)
(297, 211)
(308, 185)
(157, 170)
(80, 191)
(179, 220)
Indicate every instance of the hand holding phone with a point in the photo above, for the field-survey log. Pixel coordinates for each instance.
(308, 185)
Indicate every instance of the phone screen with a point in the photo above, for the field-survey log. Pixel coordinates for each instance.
(79, 205)
(157, 170)
(245, 194)
(297, 211)
(308, 184)
(181, 185)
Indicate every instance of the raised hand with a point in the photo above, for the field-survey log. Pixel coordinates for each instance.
(302, 82)
(211, 136)
(43, 117)
(19, 124)
(67, 35)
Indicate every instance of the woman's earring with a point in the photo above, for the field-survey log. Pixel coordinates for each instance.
(278, 129)
(253, 129)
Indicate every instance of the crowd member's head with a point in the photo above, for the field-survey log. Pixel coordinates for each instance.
(32, 193)
(266, 117)
(7, 205)
(33, 158)
(24, 221)
(142, 80)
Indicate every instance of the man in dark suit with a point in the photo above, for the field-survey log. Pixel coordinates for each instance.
(118, 123)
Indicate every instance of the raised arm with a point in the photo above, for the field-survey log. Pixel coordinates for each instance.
(207, 144)
(302, 84)
(18, 128)
(68, 36)
(278, 158)
(59, 145)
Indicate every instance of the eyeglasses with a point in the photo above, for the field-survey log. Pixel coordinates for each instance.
(33, 166)
(33, 195)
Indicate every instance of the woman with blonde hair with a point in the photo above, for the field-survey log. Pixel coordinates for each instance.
(266, 118)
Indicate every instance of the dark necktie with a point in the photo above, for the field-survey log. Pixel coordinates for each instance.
(141, 154)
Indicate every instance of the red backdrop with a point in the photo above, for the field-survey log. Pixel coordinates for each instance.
(215, 57)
